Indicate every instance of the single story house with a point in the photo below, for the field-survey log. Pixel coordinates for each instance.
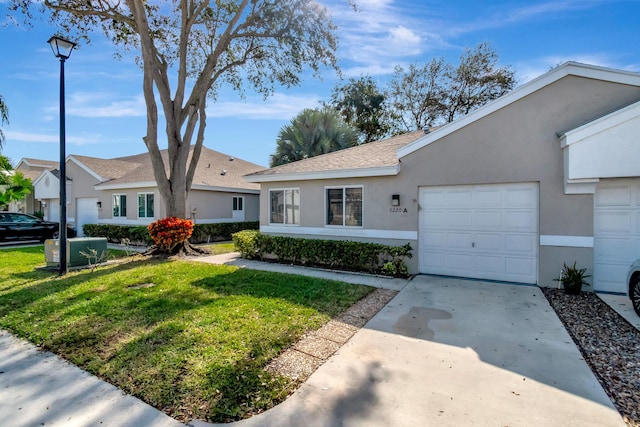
(31, 169)
(545, 175)
(123, 191)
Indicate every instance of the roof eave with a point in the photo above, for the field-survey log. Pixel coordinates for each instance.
(342, 173)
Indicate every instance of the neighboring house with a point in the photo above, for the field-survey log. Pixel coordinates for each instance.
(123, 191)
(31, 169)
(545, 175)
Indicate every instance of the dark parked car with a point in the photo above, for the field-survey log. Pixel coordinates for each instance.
(633, 280)
(15, 226)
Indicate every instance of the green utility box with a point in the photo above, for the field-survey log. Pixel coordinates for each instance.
(74, 247)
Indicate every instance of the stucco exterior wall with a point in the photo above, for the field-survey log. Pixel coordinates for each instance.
(518, 143)
(217, 206)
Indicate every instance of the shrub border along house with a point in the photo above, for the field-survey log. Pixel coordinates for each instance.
(335, 254)
(139, 234)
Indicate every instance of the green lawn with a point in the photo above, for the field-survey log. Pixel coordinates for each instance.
(186, 337)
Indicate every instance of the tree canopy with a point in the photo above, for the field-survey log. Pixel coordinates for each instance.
(13, 184)
(311, 133)
(4, 118)
(361, 105)
(438, 92)
(188, 49)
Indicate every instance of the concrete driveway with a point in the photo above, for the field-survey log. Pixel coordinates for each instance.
(451, 352)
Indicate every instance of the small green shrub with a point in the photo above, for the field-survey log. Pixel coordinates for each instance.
(139, 235)
(335, 254)
(572, 278)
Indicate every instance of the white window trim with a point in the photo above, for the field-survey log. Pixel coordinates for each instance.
(243, 201)
(344, 193)
(112, 197)
(145, 207)
(285, 207)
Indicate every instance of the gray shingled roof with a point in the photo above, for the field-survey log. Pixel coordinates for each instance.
(108, 169)
(49, 164)
(372, 155)
(137, 168)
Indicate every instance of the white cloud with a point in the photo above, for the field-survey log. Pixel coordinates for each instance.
(50, 138)
(277, 107)
(92, 104)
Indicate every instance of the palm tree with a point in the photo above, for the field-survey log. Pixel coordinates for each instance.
(311, 133)
(4, 117)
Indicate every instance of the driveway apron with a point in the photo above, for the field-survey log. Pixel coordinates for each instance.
(452, 352)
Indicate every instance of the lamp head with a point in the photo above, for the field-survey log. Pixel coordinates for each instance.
(61, 47)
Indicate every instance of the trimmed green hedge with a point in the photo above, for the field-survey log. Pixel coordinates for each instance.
(139, 234)
(334, 254)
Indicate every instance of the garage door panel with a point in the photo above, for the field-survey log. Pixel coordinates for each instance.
(433, 240)
(488, 198)
(524, 197)
(493, 264)
(459, 199)
(614, 196)
(434, 259)
(492, 231)
(521, 220)
(486, 219)
(460, 220)
(459, 261)
(613, 222)
(609, 249)
(435, 198)
(521, 266)
(490, 242)
(459, 240)
(521, 243)
(433, 220)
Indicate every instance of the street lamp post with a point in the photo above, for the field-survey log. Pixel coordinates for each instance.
(62, 50)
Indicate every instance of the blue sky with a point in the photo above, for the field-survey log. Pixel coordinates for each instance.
(105, 107)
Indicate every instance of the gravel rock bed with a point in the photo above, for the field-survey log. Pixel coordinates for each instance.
(608, 343)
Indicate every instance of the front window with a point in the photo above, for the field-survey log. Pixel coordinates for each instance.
(344, 206)
(284, 206)
(119, 205)
(145, 205)
(238, 203)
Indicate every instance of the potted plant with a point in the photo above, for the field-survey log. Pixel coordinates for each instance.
(572, 278)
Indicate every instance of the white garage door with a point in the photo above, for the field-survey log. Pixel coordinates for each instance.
(480, 231)
(616, 233)
(86, 213)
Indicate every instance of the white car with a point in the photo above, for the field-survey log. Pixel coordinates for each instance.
(633, 279)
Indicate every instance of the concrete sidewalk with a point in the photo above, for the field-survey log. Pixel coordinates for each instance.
(451, 352)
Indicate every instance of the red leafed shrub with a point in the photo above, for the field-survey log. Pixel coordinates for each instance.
(168, 233)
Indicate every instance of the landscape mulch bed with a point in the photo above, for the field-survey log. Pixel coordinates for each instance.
(608, 343)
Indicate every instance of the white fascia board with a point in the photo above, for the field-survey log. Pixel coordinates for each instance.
(343, 173)
(86, 168)
(224, 189)
(569, 68)
(340, 232)
(609, 121)
(567, 241)
(125, 186)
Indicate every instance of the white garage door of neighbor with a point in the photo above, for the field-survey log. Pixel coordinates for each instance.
(86, 213)
(480, 231)
(616, 233)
